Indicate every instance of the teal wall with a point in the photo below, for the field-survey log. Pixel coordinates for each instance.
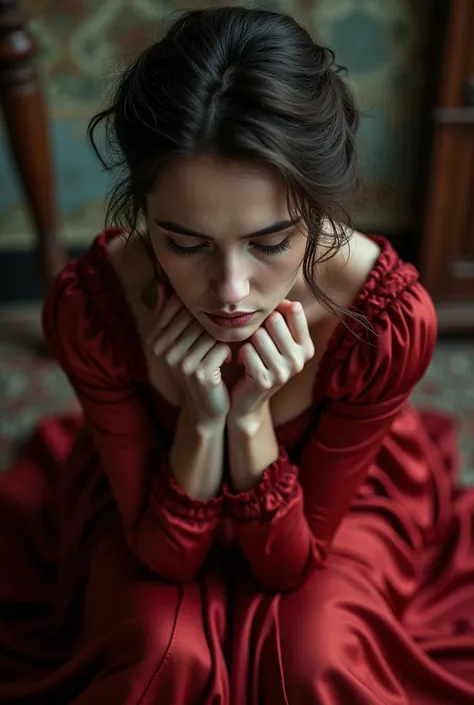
(382, 42)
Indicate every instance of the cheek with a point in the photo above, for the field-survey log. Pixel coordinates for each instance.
(279, 276)
(184, 277)
(176, 268)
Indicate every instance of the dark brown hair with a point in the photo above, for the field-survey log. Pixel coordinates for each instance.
(246, 85)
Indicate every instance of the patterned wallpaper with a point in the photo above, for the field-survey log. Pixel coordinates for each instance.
(82, 42)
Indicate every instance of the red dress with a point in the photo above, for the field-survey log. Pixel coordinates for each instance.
(345, 577)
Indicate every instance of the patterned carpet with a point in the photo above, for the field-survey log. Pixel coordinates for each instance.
(32, 385)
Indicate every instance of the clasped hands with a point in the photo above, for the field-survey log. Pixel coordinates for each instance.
(273, 354)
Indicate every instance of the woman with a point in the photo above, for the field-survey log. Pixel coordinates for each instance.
(249, 511)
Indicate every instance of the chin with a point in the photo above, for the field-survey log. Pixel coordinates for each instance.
(233, 335)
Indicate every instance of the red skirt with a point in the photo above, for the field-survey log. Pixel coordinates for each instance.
(390, 620)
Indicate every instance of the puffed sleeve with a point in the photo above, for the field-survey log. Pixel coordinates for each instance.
(285, 525)
(168, 531)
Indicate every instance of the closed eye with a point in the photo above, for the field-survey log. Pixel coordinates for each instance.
(178, 250)
(282, 246)
(274, 249)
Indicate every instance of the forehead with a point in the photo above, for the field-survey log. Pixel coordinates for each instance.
(217, 196)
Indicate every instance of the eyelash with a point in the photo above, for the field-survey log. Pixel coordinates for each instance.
(265, 249)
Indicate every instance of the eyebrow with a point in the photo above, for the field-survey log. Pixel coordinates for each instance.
(278, 227)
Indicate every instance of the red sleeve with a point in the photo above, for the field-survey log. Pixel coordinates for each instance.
(285, 525)
(167, 530)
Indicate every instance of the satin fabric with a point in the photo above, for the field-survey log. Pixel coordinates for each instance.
(345, 576)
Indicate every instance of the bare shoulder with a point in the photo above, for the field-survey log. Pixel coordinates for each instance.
(348, 271)
(363, 254)
(342, 277)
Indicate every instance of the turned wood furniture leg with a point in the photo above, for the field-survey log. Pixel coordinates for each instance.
(27, 130)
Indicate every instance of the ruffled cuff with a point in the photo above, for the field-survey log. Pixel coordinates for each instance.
(278, 485)
(173, 498)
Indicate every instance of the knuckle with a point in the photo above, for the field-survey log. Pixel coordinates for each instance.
(187, 366)
(202, 376)
(282, 377)
(296, 364)
(206, 377)
(170, 358)
(265, 383)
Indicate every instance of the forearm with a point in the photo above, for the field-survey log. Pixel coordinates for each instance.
(253, 446)
(266, 504)
(197, 456)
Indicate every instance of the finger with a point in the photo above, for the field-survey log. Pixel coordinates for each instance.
(284, 306)
(200, 349)
(181, 345)
(266, 348)
(167, 337)
(171, 308)
(161, 299)
(281, 335)
(286, 309)
(210, 367)
(298, 324)
(255, 370)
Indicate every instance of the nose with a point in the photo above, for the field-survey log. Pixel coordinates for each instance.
(230, 284)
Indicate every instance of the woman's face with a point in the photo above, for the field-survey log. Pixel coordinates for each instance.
(223, 235)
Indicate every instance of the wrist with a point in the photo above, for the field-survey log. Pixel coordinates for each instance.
(196, 456)
(253, 447)
(249, 425)
(206, 428)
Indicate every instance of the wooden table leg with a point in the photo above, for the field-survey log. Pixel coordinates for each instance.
(26, 123)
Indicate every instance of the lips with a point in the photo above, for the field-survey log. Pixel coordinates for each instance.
(232, 320)
(222, 314)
